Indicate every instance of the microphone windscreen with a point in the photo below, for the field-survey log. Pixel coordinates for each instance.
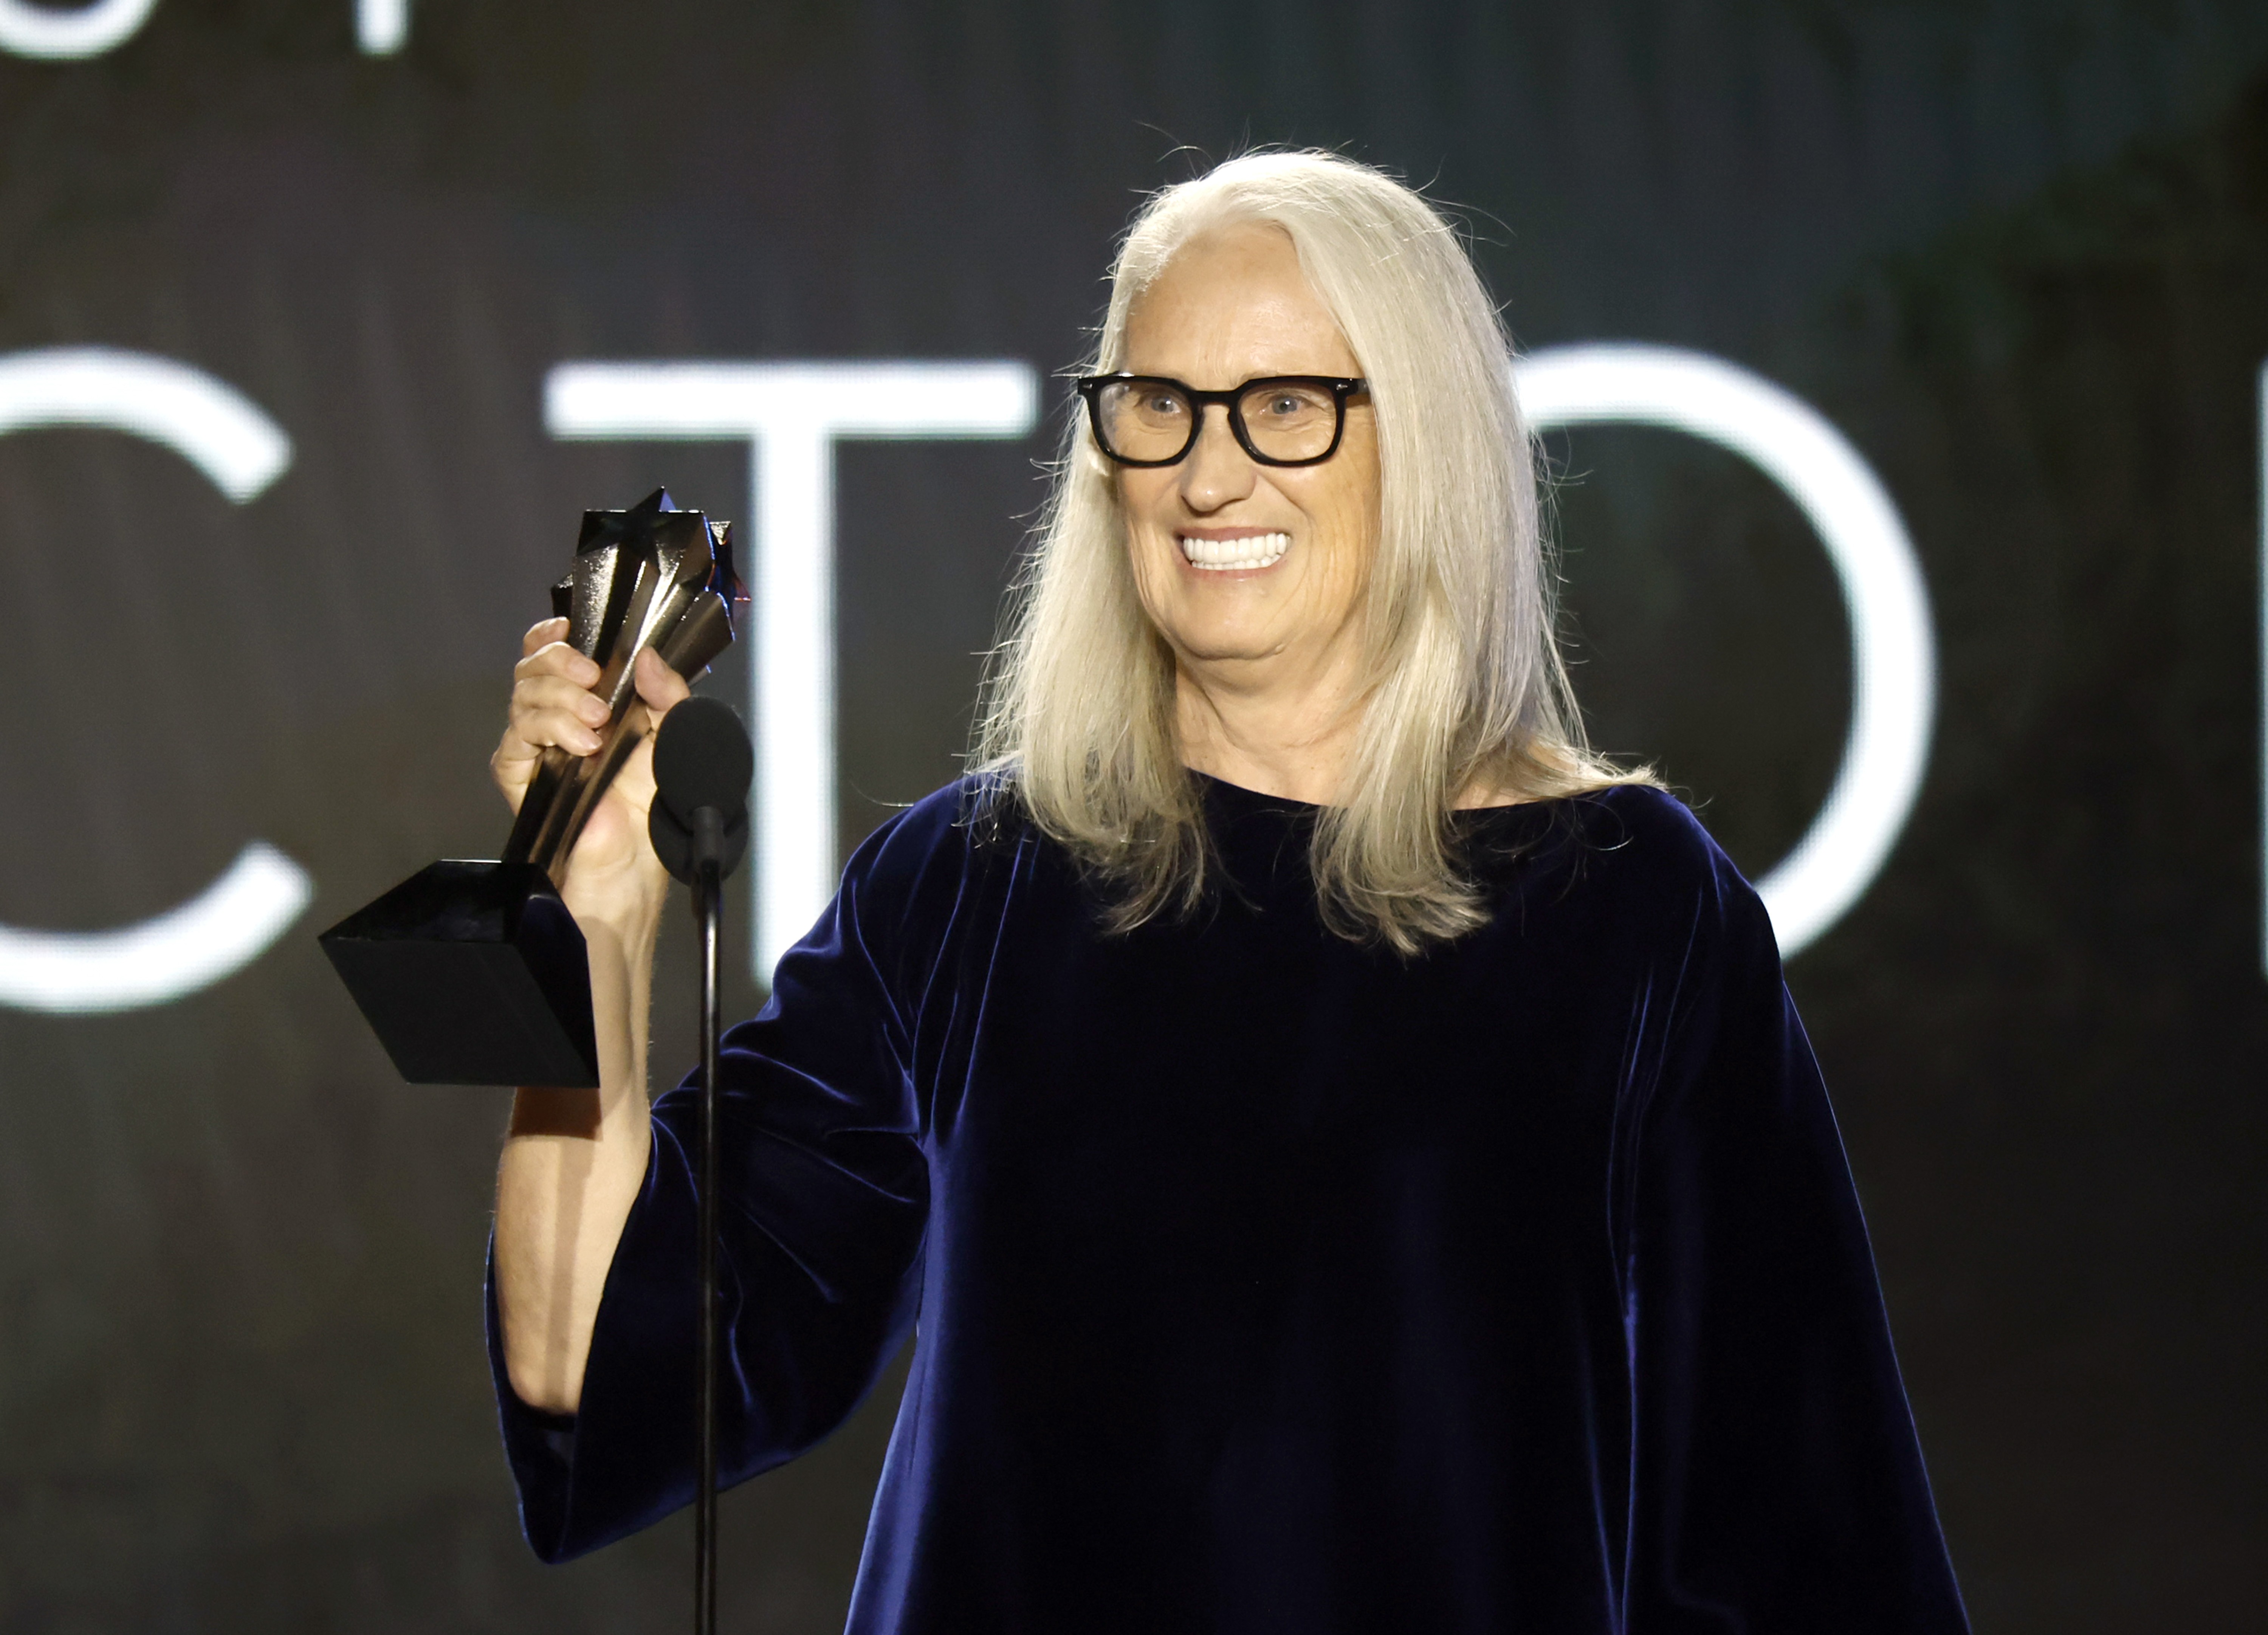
(702, 757)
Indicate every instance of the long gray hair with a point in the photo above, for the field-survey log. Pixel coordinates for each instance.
(1462, 683)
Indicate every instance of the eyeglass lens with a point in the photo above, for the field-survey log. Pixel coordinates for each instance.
(1155, 420)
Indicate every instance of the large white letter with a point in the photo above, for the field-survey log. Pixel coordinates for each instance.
(1893, 652)
(792, 415)
(225, 436)
(381, 26)
(40, 30)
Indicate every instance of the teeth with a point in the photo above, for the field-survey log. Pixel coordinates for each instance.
(1253, 550)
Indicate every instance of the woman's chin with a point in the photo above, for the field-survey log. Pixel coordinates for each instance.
(1217, 641)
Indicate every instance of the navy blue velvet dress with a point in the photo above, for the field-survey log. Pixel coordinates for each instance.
(1265, 1282)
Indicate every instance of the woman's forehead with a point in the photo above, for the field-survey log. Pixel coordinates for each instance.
(1235, 303)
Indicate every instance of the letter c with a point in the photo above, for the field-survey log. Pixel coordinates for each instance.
(224, 434)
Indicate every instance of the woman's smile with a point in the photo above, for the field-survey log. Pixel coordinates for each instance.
(1220, 550)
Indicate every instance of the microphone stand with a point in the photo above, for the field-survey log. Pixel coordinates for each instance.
(708, 907)
(702, 764)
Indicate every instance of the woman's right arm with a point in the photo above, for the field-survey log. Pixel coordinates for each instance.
(824, 1175)
(574, 1160)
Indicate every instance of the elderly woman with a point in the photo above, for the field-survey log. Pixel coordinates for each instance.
(1349, 1149)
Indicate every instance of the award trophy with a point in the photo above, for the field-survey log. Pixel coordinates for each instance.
(476, 973)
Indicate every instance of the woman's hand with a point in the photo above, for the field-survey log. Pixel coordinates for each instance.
(613, 875)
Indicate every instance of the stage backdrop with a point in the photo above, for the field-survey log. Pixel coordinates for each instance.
(1919, 549)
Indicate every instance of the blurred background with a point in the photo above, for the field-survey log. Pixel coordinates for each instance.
(2016, 251)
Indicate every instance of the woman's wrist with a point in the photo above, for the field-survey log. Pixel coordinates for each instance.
(622, 906)
(619, 930)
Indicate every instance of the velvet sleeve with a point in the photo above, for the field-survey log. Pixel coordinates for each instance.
(824, 1201)
(1778, 1486)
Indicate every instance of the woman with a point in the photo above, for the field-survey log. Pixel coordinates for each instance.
(1350, 1150)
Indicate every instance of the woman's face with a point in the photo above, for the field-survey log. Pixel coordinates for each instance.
(1230, 305)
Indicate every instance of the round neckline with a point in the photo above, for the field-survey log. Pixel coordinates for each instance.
(1238, 792)
(1286, 803)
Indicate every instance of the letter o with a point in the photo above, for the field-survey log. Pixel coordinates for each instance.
(1893, 649)
(225, 436)
(57, 35)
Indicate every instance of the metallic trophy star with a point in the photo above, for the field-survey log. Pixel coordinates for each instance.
(474, 973)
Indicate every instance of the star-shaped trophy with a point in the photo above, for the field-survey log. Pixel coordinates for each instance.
(476, 973)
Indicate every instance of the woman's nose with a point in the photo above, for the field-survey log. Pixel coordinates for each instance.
(1218, 471)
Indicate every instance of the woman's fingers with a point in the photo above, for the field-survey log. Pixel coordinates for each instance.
(557, 658)
(551, 706)
(542, 633)
(549, 698)
(540, 730)
(661, 686)
(554, 713)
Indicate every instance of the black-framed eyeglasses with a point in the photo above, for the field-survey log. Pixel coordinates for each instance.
(1279, 420)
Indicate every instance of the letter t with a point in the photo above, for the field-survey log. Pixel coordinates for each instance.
(791, 414)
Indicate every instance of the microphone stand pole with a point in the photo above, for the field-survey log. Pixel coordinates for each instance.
(702, 764)
(707, 903)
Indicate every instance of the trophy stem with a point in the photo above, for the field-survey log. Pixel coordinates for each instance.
(565, 790)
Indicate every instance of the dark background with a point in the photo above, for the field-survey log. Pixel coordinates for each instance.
(2016, 249)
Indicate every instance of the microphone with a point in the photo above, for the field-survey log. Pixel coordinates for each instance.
(702, 766)
(699, 822)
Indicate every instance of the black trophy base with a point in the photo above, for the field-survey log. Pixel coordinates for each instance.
(473, 973)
